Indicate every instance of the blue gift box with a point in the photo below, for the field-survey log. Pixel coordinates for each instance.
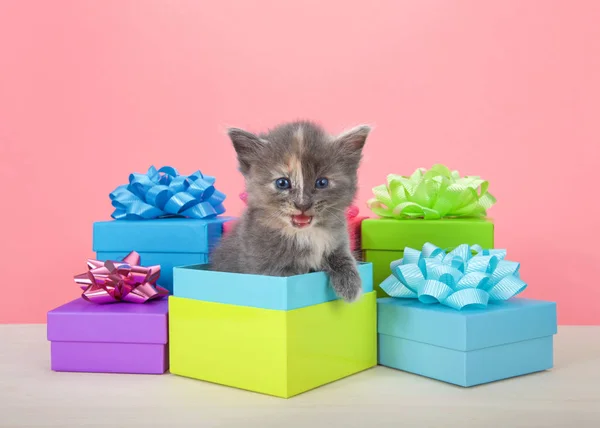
(268, 292)
(467, 347)
(168, 242)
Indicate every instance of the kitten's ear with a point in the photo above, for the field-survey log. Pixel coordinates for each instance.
(247, 147)
(351, 142)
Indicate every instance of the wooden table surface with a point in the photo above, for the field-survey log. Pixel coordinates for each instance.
(31, 395)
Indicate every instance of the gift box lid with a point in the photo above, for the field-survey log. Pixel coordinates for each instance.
(83, 321)
(395, 235)
(167, 235)
(499, 323)
(259, 291)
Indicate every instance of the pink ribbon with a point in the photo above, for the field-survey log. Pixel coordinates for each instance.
(352, 212)
(120, 281)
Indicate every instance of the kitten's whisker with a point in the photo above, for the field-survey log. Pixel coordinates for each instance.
(333, 213)
(275, 215)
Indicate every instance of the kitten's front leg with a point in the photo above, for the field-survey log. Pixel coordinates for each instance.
(346, 282)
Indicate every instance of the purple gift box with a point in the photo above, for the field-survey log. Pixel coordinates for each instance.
(111, 338)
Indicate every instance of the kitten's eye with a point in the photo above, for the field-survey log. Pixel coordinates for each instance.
(283, 183)
(321, 183)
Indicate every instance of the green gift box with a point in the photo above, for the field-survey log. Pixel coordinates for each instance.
(436, 205)
(384, 239)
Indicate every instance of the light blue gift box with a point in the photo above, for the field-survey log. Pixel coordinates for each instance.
(168, 242)
(467, 347)
(268, 292)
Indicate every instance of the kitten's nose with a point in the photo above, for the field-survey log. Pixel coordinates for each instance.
(303, 206)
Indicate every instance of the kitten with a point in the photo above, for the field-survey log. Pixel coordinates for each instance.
(299, 182)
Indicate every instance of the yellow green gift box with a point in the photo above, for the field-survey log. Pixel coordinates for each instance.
(436, 205)
(280, 336)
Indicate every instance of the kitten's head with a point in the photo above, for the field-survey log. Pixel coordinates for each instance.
(297, 175)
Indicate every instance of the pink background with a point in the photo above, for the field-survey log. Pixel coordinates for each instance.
(93, 90)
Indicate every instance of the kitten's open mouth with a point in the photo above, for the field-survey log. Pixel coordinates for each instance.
(301, 221)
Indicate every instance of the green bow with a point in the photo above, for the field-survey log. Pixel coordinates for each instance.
(432, 194)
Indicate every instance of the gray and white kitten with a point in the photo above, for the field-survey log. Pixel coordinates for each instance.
(299, 181)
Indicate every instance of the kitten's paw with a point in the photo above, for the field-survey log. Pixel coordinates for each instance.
(347, 285)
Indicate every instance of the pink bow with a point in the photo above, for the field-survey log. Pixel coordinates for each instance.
(120, 281)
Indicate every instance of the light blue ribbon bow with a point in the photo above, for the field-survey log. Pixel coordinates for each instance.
(457, 279)
(166, 193)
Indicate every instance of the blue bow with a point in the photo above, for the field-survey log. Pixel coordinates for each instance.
(165, 193)
(457, 279)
